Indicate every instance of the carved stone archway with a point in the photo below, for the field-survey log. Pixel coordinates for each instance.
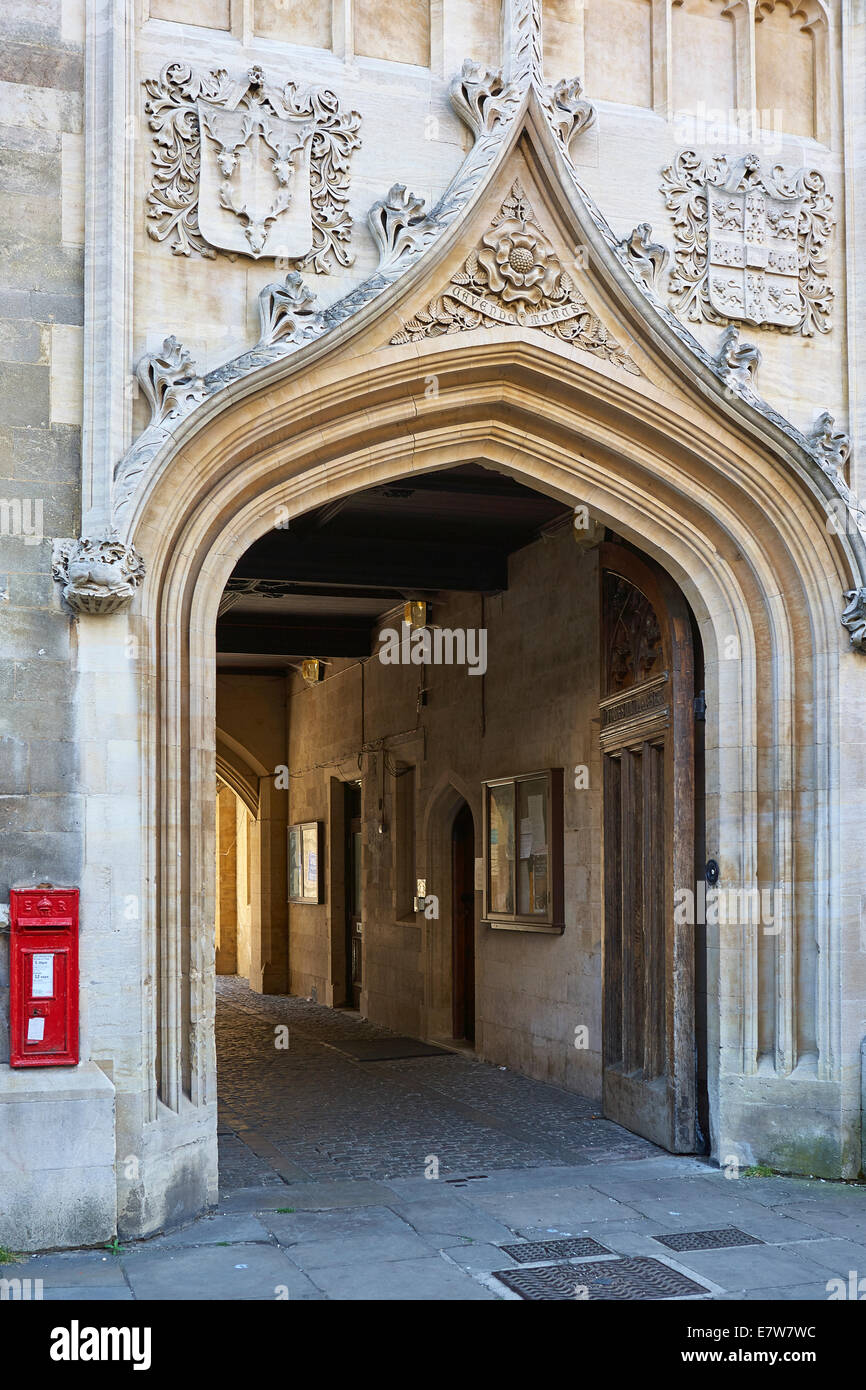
(721, 514)
(598, 396)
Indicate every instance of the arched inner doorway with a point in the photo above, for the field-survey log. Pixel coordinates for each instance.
(409, 648)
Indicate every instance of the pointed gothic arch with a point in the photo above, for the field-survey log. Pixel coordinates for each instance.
(667, 447)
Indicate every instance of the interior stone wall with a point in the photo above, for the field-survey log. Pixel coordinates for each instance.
(535, 708)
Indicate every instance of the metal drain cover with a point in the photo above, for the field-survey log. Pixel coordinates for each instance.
(578, 1248)
(636, 1279)
(707, 1240)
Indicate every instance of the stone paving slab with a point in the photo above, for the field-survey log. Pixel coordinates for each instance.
(78, 1293)
(224, 1228)
(80, 1269)
(539, 1212)
(444, 1220)
(431, 1279)
(208, 1272)
(320, 1238)
(481, 1258)
(751, 1267)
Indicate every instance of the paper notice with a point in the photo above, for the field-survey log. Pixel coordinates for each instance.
(525, 837)
(35, 1029)
(43, 976)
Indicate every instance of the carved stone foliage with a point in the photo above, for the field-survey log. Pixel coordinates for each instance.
(170, 382)
(99, 576)
(832, 446)
(647, 258)
(738, 362)
(248, 167)
(515, 277)
(286, 311)
(854, 617)
(569, 111)
(399, 224)
(750, 244)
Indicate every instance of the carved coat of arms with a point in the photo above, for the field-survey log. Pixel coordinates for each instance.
(750, 244)
(248, 168)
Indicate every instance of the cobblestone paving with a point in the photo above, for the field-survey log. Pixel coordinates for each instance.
(330, 1116)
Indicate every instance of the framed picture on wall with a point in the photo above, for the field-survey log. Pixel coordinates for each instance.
(306, 843)
(523, 852)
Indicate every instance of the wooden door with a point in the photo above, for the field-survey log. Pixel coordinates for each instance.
(647, 741)
(463, 924)
(354, 895)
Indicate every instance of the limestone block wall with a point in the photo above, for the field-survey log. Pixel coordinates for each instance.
(534, 708)
(57, 1158)
(41, 306)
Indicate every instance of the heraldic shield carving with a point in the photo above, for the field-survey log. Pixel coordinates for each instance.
(249, 168)
(750, 244)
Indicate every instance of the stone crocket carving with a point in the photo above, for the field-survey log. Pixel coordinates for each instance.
(737, 362)
(854, 617)
(645, 257)
(170, 382)
(832, 446)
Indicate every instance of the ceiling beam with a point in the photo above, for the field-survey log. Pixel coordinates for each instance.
(276, 634)
(362, 561)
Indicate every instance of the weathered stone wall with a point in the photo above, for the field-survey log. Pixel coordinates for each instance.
(534, 709)
(57, 1155)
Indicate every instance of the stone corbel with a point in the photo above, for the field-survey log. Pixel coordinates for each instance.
(98, 575)
(854, 617)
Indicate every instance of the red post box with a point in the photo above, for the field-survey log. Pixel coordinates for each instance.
(43, 976)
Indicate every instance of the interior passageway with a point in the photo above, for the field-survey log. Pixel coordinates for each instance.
(315, 1110)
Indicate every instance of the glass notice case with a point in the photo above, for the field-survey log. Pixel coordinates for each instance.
(523, 877)
(305, 862)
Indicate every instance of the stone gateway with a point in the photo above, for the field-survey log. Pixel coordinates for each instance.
(433, 570)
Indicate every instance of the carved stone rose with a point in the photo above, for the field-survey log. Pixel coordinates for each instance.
(99, 576)
(519, 262)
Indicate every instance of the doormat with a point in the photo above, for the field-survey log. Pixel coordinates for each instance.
(580, 1247)
(388, 1049)
(635, 1279)
(707, 1240)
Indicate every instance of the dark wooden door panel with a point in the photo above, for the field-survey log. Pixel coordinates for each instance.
(648, 830)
